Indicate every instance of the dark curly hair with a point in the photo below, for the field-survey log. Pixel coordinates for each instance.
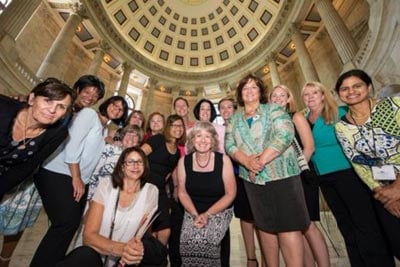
(260, 85)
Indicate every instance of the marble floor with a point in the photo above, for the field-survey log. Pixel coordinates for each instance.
(338, 256)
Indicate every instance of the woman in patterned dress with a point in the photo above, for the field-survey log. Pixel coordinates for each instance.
(370, 136)
(206, 189)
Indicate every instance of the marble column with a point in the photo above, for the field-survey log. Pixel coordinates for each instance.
(123, 86)
(12, 21)
(102, 49)
(152, 85)
(306, 65)
(273, 69)
(175, 94)
(16, 15)
(50, 65)
(337, 30)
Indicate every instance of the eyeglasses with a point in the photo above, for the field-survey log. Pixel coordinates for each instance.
(131, 162)
(176, 125)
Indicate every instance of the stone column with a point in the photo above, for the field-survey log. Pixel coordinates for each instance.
(337, 30)
(123, 86)
(307, 67)
(273, 69)
(102, 48)
(16, 15)
(50, 65)
(152, 85)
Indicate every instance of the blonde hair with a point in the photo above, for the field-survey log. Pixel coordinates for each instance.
(291, 104)
(198, 127)
(329, 112)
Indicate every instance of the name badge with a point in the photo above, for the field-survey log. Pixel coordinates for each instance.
(384, 172)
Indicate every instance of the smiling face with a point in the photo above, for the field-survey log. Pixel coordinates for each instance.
(226, 109)
(87, 97)
(181, 108)
(115, 110)
(353, 90)
(46, 111)
(205, 112)
(156, 123)
(133, 167)
(202, 141)
(251, 92)
(130, 139)
(176, 129)
(313, 97)
(280, 96)
(136, 119)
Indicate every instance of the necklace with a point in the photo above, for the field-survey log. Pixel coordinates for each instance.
(23, 146)
(198, 163)
(362, 117)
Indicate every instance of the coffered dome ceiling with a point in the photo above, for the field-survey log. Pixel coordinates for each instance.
(196, 41)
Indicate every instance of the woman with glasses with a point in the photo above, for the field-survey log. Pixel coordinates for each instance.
(120, 206)
(370, 137)
(163, 153)
(62, 180)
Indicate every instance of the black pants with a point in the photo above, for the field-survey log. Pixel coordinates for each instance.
(352, 204)
(64, 213)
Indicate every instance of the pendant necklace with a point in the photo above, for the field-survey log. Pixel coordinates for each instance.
(23, 146)
(205, 165)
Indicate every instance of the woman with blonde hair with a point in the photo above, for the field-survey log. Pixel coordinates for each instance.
(314, 243)
(347, 196)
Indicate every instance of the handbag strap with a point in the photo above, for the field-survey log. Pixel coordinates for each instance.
(112, 225)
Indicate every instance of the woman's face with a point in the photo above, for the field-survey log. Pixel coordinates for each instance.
(133, 167)
(226, 109)
(353, 90)
(115, 110)
(176, 129)
(130, 140)
(280, 96)
(313, 98)
(181, 108)
(136, 119)
(87, 97)
(202, 141)
(156, 123)
(251, 92)
(46, 111)
(205, 112)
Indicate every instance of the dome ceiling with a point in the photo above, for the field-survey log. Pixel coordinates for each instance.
(193, 40)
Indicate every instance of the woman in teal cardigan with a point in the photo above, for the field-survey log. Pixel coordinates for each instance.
(348, 198)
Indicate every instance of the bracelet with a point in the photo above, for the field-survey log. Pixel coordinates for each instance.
(208, 214)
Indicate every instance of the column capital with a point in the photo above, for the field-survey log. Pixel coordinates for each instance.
(152, 83)
(273, 56)
(104, 45)
(79, 9)
(127, 67)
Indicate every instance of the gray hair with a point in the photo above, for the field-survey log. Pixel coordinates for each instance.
(198, 127)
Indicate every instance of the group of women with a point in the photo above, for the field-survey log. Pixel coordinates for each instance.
(186, 179)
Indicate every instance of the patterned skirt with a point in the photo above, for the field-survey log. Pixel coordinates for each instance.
(202, 247)
(20, 208)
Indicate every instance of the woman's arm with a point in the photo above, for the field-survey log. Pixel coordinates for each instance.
(91, 233)
(304, 130)
(146, 149)
(182, 193)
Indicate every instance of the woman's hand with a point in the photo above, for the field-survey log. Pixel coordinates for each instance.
(389, 193)
(201, 220)
(79, 188)
(394, 208)
(253, 163)
(133, 252)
